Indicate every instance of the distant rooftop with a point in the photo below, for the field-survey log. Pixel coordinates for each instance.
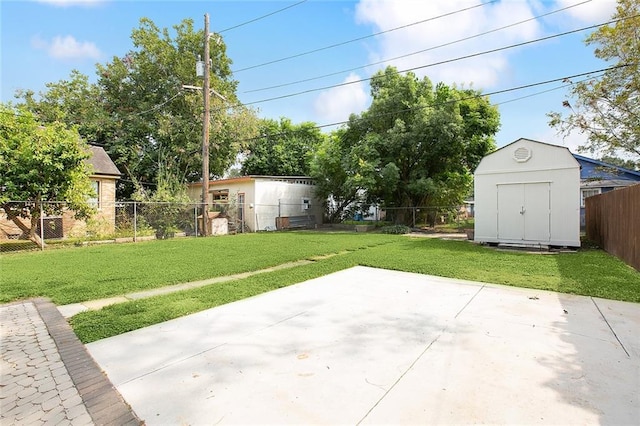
(102, 163)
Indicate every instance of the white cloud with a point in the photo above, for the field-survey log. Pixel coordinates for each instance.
(593, 12)
(482, 71)
(67, 47)
(337, 103)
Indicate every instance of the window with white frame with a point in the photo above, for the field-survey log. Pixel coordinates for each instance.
(586, 193)
(95, 201)
(306, 204)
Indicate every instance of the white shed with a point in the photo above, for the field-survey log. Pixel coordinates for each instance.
(265, 202)
(528, 193)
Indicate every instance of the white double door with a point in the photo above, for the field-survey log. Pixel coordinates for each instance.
(524, 211)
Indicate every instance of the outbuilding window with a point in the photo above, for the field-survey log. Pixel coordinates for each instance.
(586, 193)
(95, 201)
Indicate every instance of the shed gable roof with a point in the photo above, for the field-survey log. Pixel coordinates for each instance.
(527, 155)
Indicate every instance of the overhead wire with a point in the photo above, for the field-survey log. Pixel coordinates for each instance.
(419, 51)
(498, 92)
(531, 95)
(261, 17)
(155, 107)
(480, 95)
(435, 63)
(240, 104)
(363, 37)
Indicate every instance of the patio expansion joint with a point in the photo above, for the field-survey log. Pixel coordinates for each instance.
(404, 373)
(610, 328)
(443, 331)
(469, 301)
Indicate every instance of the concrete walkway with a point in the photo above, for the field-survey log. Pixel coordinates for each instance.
(369, 346)
(72, 309)
(46, 374)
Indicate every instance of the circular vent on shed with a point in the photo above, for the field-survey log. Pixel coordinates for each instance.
(522, 154)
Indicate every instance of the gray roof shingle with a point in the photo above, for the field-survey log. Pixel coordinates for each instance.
(102, 163)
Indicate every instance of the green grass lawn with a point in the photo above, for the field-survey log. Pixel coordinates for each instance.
(80, 274)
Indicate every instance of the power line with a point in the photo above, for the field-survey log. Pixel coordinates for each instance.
(419, 51)
(498, 92)
(262, 17)
(362, 38)
(544, 91)
(435, 63)
(481, 95)
(155, 107)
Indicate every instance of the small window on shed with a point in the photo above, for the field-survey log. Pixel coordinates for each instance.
(306, 204)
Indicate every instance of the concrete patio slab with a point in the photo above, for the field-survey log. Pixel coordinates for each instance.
(373, 346)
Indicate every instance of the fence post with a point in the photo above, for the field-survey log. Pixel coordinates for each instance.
(135, 223)
(41, 227)
(414, 216)
(195, 219)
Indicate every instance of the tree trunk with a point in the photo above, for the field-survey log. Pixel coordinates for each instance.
(30, 232)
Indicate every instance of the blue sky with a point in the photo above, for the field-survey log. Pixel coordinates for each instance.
(42, 41)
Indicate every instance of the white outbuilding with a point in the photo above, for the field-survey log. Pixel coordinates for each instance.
(528, 194)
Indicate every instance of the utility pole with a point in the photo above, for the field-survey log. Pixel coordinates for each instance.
(205, 131)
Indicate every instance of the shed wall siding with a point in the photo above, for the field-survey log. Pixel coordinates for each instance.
(549, 166)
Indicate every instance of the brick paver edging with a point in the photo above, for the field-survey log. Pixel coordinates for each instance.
(102, 400)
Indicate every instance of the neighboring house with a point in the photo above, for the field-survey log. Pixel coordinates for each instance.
(528, 193)
(467, 210)
(103, 179)
(597, 177)
(258, 203)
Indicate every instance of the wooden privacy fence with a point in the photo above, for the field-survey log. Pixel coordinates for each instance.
(613, 221)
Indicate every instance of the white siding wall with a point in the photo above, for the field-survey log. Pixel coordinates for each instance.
(550, 177)
(275, 198)
(266, 198)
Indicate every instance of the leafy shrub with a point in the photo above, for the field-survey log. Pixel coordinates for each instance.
(395, 229)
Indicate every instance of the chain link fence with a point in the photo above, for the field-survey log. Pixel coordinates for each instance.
(429, 216)
(28, 226)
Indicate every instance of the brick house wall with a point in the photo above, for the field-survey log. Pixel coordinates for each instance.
(104, 178)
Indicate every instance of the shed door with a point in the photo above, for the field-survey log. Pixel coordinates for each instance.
(523, 212)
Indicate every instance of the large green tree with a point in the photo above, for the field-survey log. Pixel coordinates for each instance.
(75, 102)
(157, 123)
(41, 165)
(336, 167)
(282, 149)
(607, 108)
(140, 112)
(416, 145)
